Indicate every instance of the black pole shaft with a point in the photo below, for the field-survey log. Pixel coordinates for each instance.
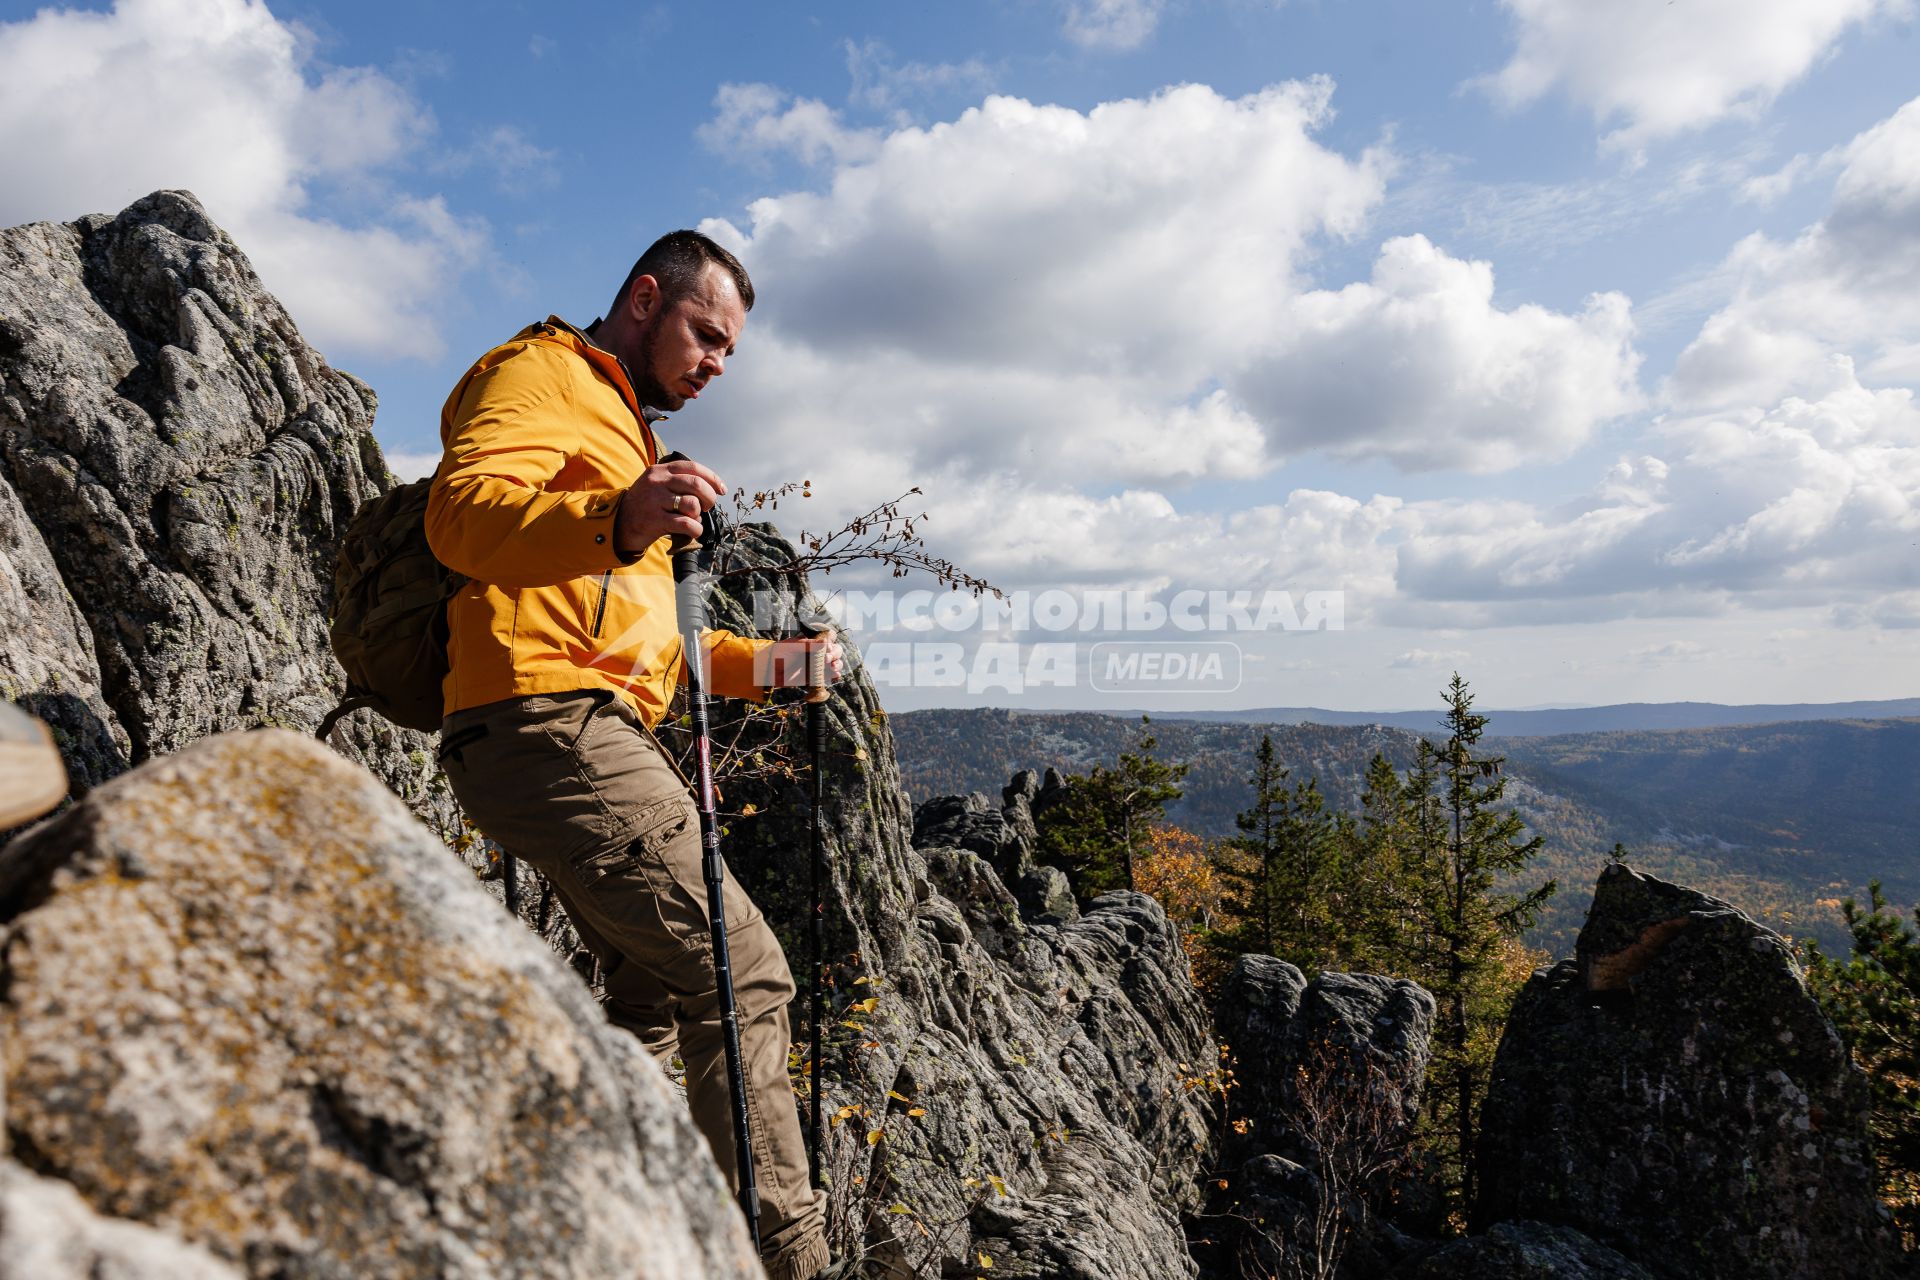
(714, 872)
(817, 925)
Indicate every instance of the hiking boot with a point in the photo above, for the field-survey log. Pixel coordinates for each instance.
(32, 777)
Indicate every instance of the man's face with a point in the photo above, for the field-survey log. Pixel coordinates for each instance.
(685, 346)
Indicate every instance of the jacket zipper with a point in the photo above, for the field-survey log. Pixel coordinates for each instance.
(600, 610)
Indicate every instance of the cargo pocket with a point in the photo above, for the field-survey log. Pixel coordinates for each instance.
(639, 858)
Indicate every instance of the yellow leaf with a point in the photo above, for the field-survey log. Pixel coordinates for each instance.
(874, 1136)
(986, 1263)
(856, 1026)
(898, 1097)
(866, 1006)
(916, 1111)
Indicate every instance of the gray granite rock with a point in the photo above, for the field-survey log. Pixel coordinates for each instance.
(47, 1232)
(1675, 1093)
(250, 1001)
(1328, 1080)
(176, 468)
(1048, 1050)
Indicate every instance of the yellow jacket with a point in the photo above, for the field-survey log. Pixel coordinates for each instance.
(542, 436)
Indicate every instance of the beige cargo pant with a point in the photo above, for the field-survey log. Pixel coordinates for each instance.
(573, 784)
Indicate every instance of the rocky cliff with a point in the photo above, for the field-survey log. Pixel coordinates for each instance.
(1017, 1075)
(176, 467)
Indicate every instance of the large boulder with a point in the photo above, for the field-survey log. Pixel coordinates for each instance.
(176, 468)
(1674, 1092)
(247, 999)
(1324, 1092)
(47, 1232)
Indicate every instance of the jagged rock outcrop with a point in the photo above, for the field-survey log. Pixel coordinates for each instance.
(1674, 1092)
(1526, 1251)
(1006, 837)
(1327, 1084)
(1049, 1059)
(251, 1002)
(176, 467)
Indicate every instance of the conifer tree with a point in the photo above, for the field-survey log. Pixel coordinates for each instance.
(1098, 830)
(1460, 927)
(1284, 869)
(1874, 999)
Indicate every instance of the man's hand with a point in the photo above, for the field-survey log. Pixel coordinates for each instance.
(783, 664)
(666, 501)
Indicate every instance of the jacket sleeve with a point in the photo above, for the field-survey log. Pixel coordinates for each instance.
(490, 515)
(733, 664)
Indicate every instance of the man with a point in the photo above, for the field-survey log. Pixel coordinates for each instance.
(564, 653)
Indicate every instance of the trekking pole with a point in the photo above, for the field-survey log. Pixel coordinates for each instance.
(817, 696)
(692, 560)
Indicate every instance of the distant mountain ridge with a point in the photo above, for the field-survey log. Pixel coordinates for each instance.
(1543, 721)
(1783, 819)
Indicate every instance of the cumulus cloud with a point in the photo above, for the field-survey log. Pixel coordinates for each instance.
(1848, 285)
(1418, 365)
(1121, 295)
(1655, 68)
(220, 97)
(760, 119)
(1810, 503)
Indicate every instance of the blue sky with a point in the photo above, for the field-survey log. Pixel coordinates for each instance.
(1573, 343)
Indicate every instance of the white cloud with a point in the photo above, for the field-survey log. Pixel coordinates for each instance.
(1430, 659)
(411, 466)
(1849, 284)
(760, 119)
(1418, 365)
(1119, 296)
(1811, 503)
(1656, 68)
(1112, 24)
(220, 97)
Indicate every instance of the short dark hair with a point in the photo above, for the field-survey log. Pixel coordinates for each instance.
(678, 260)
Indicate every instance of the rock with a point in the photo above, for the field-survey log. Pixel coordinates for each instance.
(1327, 1077)
(47, 1232)
(1006, 837)
(1044, 1050)
(250, 1001)
(176, 468)
(1675, 1093)
(1526, 1251)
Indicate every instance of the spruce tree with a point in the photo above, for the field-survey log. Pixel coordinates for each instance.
(1284, 869)
(1459, 927)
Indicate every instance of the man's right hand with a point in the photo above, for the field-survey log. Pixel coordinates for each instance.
(666, 501)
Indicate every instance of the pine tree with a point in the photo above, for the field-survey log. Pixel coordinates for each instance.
(1285, 868)
(1097, 831)
(1458, 931)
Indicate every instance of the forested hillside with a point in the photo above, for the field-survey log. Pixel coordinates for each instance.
(1785, 820)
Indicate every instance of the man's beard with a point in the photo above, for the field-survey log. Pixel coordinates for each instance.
(646, 388)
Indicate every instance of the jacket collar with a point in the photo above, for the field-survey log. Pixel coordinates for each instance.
(555, 330)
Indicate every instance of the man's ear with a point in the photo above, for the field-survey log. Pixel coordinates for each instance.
(643, 297)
